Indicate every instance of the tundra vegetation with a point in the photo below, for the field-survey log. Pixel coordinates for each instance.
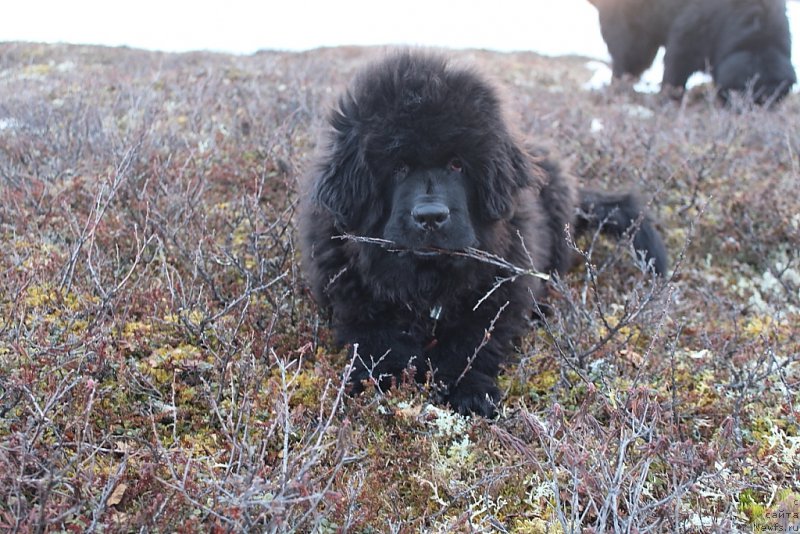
(164, 369)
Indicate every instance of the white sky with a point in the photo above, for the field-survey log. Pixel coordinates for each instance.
(552, 27)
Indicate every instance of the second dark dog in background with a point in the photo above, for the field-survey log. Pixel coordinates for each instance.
(746, 44)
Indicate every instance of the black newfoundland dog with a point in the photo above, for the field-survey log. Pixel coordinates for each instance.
(745, 43)
(421, 198)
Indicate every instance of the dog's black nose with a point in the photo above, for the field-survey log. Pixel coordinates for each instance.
(430, 215)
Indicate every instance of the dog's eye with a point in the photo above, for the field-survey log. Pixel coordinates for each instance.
(401, 169)
(455, 165)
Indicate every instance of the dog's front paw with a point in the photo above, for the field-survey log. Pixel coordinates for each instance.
(474, 394)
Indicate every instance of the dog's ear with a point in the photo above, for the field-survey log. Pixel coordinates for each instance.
(344, 184)
(508, 170)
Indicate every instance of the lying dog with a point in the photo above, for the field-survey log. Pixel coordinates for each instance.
(421, 200)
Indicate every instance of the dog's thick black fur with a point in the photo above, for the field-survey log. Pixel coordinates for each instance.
(745, 43)
(419, 158)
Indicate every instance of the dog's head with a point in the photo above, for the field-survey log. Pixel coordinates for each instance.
(429, 208)
(419, 154)
(754, 52)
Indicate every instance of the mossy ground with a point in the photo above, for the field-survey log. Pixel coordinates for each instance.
(163, 368)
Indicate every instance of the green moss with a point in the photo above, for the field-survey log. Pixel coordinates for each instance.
(752, 505)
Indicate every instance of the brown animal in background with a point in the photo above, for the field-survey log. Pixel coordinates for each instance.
(746, 44)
